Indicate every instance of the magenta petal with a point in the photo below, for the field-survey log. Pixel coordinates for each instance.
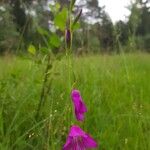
(79, 140)
(76, 131)
(68, 144)
(79, 105)
(89, 142)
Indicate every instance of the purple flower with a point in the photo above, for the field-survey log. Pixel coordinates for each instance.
(79, 105)
(79, 140)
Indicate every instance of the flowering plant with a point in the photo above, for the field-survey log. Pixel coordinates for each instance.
(77, 138)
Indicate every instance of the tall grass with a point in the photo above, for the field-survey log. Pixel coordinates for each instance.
(116, 90)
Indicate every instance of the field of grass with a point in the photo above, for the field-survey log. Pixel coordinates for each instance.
(116, 90)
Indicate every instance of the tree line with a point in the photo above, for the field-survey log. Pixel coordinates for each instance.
(20, 19)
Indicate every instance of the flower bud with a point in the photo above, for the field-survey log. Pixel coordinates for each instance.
(68, 38)
(77, 18)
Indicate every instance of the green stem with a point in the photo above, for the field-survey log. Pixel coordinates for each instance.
(43, 96)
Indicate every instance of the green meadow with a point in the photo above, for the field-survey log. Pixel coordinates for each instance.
(115, 88)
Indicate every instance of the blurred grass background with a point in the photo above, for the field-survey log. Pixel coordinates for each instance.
(115, 89)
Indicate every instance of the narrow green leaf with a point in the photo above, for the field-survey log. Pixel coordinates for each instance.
(76, 19)
(76, 26)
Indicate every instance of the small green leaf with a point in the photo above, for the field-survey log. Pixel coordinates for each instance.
(31, 49)
(54, 8)
(57, 6)
(42, 31)
(60, 19)
(55, 40)
(44, 50)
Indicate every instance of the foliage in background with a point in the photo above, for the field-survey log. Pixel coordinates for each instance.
(9, 36)
(115, 86)
(23, 18)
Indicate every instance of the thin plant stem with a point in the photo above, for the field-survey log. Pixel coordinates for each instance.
(69, 63)
(43, 95)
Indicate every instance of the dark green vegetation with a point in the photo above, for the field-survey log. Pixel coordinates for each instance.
(20, 19)
(116, 91)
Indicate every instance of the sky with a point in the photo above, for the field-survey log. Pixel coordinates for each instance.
(116, 9)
